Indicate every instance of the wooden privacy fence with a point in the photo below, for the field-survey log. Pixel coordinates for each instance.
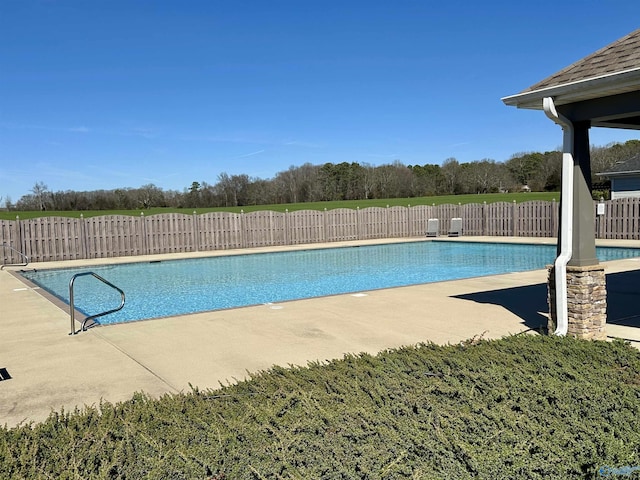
(60, 238)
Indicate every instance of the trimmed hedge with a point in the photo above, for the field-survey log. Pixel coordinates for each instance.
(521, 407)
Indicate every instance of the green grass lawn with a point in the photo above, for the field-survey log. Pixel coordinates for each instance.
(440, 200)
(528, 406)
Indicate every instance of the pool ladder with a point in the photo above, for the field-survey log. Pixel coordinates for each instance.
(72, 310)
(24, 257)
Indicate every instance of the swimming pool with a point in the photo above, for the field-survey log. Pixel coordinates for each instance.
(177, 287)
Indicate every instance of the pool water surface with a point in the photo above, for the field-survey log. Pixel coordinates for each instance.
(177, 287)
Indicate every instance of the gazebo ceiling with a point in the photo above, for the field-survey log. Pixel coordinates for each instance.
(602, 89)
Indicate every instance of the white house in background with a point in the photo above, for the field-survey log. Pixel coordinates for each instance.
(625, 178)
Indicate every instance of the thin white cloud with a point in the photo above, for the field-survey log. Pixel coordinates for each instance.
(133, 132)
(215, 139)
(162, 177)
(249, 154)
(296, 143)
(20, 126)
(139, 132)
(386, 156)
(247, 139)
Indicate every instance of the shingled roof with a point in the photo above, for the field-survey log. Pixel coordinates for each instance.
(621, 55)
(630, 166)
(612, 70)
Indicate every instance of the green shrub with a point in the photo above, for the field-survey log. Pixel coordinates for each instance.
(521, 407)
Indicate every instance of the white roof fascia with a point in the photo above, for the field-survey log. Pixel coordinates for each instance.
(620, 174)
(602, 86)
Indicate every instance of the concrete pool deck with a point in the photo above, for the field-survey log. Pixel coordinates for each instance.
(43, 369)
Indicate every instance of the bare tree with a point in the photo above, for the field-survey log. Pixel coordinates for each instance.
(548, 176)
(288, 182)
(150, 196)
(450, 170)
(224, 189)
(40, 192)
(234, 189)
(485, 176)
(368, 179)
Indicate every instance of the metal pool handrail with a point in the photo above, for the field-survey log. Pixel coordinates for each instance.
(72, 309)
(26, 259)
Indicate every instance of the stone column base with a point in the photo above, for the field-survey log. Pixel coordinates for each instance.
(586, 302)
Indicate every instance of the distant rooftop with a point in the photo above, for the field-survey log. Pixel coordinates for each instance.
(631, 165)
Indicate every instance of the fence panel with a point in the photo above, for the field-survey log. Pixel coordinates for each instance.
(630, 216)
(397, 222)
(10, 236)
(472, 219)
(535, 219)
(169, 233)
(498, 219)
(114, 236)
(305, 226)
(621, 219)
(613, 220)
(418, 217)
(342, 225)
(633, 219)
(623, 206)
(263, 229)
(48, 239)
(616, 223)
(219, 231)
(445, 213)
(372, 223)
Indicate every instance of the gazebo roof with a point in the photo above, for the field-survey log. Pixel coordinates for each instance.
(611, 73)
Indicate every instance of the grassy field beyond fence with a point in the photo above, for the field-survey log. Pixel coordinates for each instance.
(353, 204)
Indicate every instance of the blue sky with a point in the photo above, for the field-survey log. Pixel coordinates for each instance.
(109, 94)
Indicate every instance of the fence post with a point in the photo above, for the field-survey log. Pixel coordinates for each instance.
(21, 242)
(145, 238)
(287, 226)
(324, 225)
(514, 219)
(386, 215)
(484, 218)
(243, 232)
(196, 232)
(554, 218)
(83, 238)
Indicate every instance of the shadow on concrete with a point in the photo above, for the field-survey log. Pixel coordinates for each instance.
(528, 302)
(525, 302)
(623, 298)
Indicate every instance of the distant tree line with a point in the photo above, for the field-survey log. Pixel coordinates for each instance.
(532, 171)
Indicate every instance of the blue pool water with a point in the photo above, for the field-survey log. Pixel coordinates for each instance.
(159, 289)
